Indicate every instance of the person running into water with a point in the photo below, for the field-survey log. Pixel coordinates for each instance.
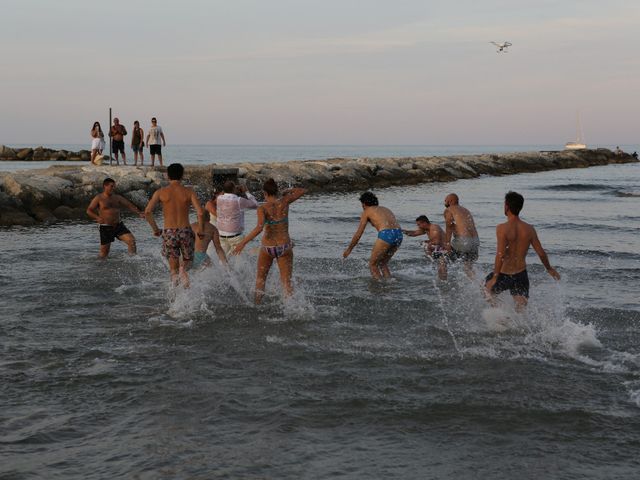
(434, 247)
(105, 209)
(273, 221)
(461, 236)
(177, 236)
(389, 235)
(229, 210)
(510, 269)
(200, 256)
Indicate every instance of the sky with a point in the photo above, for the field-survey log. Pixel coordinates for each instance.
(326, 72)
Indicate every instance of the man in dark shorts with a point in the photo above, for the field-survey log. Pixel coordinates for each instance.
(154, 135)
(117, 133)
(105, 209)
(510, 269)
(178, 238)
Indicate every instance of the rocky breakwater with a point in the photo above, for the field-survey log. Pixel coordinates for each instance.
(42, 154)
(63, 192)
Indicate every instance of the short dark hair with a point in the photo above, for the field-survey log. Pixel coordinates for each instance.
(107, 181)
(369, 199)
(175, 171)
(270, 187)
(228, 186)
(423, 218)
(514, 201)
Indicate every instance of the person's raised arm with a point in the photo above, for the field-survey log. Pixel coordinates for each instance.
(292, 194)
(364, 218)
(215, 238)
(123, 202)
(253, 234)
(148, 213)
(92, 210)
(537, 246)
(248, 202)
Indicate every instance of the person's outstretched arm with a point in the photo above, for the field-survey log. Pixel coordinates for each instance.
(148, 213)
(414, 233)
(253, 234)
(537, 246)
(128, 204)
(292, 194)
(364, 218)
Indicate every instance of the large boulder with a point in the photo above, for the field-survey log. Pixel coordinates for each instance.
(34, 190)
(24, 154)
(7, 153)
(13, 216)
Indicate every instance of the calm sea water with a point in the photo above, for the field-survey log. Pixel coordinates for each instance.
(107, 374)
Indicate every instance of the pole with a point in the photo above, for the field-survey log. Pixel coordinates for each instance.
(110, 144)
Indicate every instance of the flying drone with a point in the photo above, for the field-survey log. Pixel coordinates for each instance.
(502, 47)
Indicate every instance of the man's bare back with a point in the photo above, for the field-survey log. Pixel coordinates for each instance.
(176, 199)
(380, 217)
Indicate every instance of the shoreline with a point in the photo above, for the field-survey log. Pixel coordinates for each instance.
(59, 192)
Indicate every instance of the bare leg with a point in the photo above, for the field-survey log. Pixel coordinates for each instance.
(285, 265)
(521, 303)
(160, 159)
(384, 262)
(130, 240)
(153, 159)
(135, 159)
(93, 156)
(124, 158)
(264, 265)
(468, 269)
(184, 269)
(141, 158)
(377, 254)
(174, 268)
(442, 269)
(104, 251)
(117, 158)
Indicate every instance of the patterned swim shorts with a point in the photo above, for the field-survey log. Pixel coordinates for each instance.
(178, 241)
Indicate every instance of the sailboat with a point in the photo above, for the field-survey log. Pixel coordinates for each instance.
(579, 143)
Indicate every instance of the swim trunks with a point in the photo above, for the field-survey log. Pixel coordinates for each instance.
(392, 236)
(108, 233)
(517, 284)
(277, 250)
(201, 259)
(117, 145)
(438, 252)
(155, 149)
(178, 241)
(137, 148)
(465, 248)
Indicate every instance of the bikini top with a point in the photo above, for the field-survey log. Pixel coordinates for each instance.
(268, 221)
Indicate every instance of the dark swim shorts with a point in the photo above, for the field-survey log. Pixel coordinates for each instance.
(117, 145)
(155, 149)
(178, 241)
(108, 233)
(517, 284)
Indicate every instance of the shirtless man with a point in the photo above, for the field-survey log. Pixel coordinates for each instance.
(434, 247)
(461, 238)
(177, 237)
(117, 133)
(389, 235)
(510, 269)
(200, 257)
(105, 209)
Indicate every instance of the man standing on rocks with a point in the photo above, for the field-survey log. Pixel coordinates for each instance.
(389, 235)
(154, 135)
(514, 238)
(117, 133)
(461, 237)
(177, 237)
(229, 208)
(105, 209)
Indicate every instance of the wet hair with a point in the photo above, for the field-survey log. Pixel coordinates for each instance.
(270, 187)
(514, 201)
(423, 218)
(228, 186)
(175, 171)
(107, 181)
(369, 199)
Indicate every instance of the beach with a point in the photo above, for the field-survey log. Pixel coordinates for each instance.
(109, 375)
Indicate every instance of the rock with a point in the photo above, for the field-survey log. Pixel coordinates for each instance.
(7, 153)
(65, 213)
(138, 198)
(12, 216)
(33, 190)
(25, 153)
(43, 214)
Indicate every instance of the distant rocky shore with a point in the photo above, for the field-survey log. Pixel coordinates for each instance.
(42, 154)
(63, 192)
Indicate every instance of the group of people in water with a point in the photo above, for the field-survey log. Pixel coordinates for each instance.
(221, 223)
(155, 141)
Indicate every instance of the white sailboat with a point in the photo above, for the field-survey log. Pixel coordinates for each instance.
(579, 143)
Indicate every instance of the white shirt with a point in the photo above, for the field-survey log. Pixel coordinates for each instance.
(230, 208)
(154, 135)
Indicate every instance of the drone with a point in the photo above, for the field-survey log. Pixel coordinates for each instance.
(502, 47)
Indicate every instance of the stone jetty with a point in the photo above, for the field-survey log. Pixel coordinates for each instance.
(30, 197)
(42, 154)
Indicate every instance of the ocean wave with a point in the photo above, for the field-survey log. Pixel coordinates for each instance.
(576, 187)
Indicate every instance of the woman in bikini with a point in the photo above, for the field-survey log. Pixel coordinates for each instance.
(273, 220)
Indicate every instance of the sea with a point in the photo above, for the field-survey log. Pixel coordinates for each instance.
(109, 372)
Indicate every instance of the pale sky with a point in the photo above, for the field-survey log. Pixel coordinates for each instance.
(322, 72)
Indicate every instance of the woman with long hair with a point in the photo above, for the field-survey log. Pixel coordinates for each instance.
(97, 141)
(273, 221)
(137, 143)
